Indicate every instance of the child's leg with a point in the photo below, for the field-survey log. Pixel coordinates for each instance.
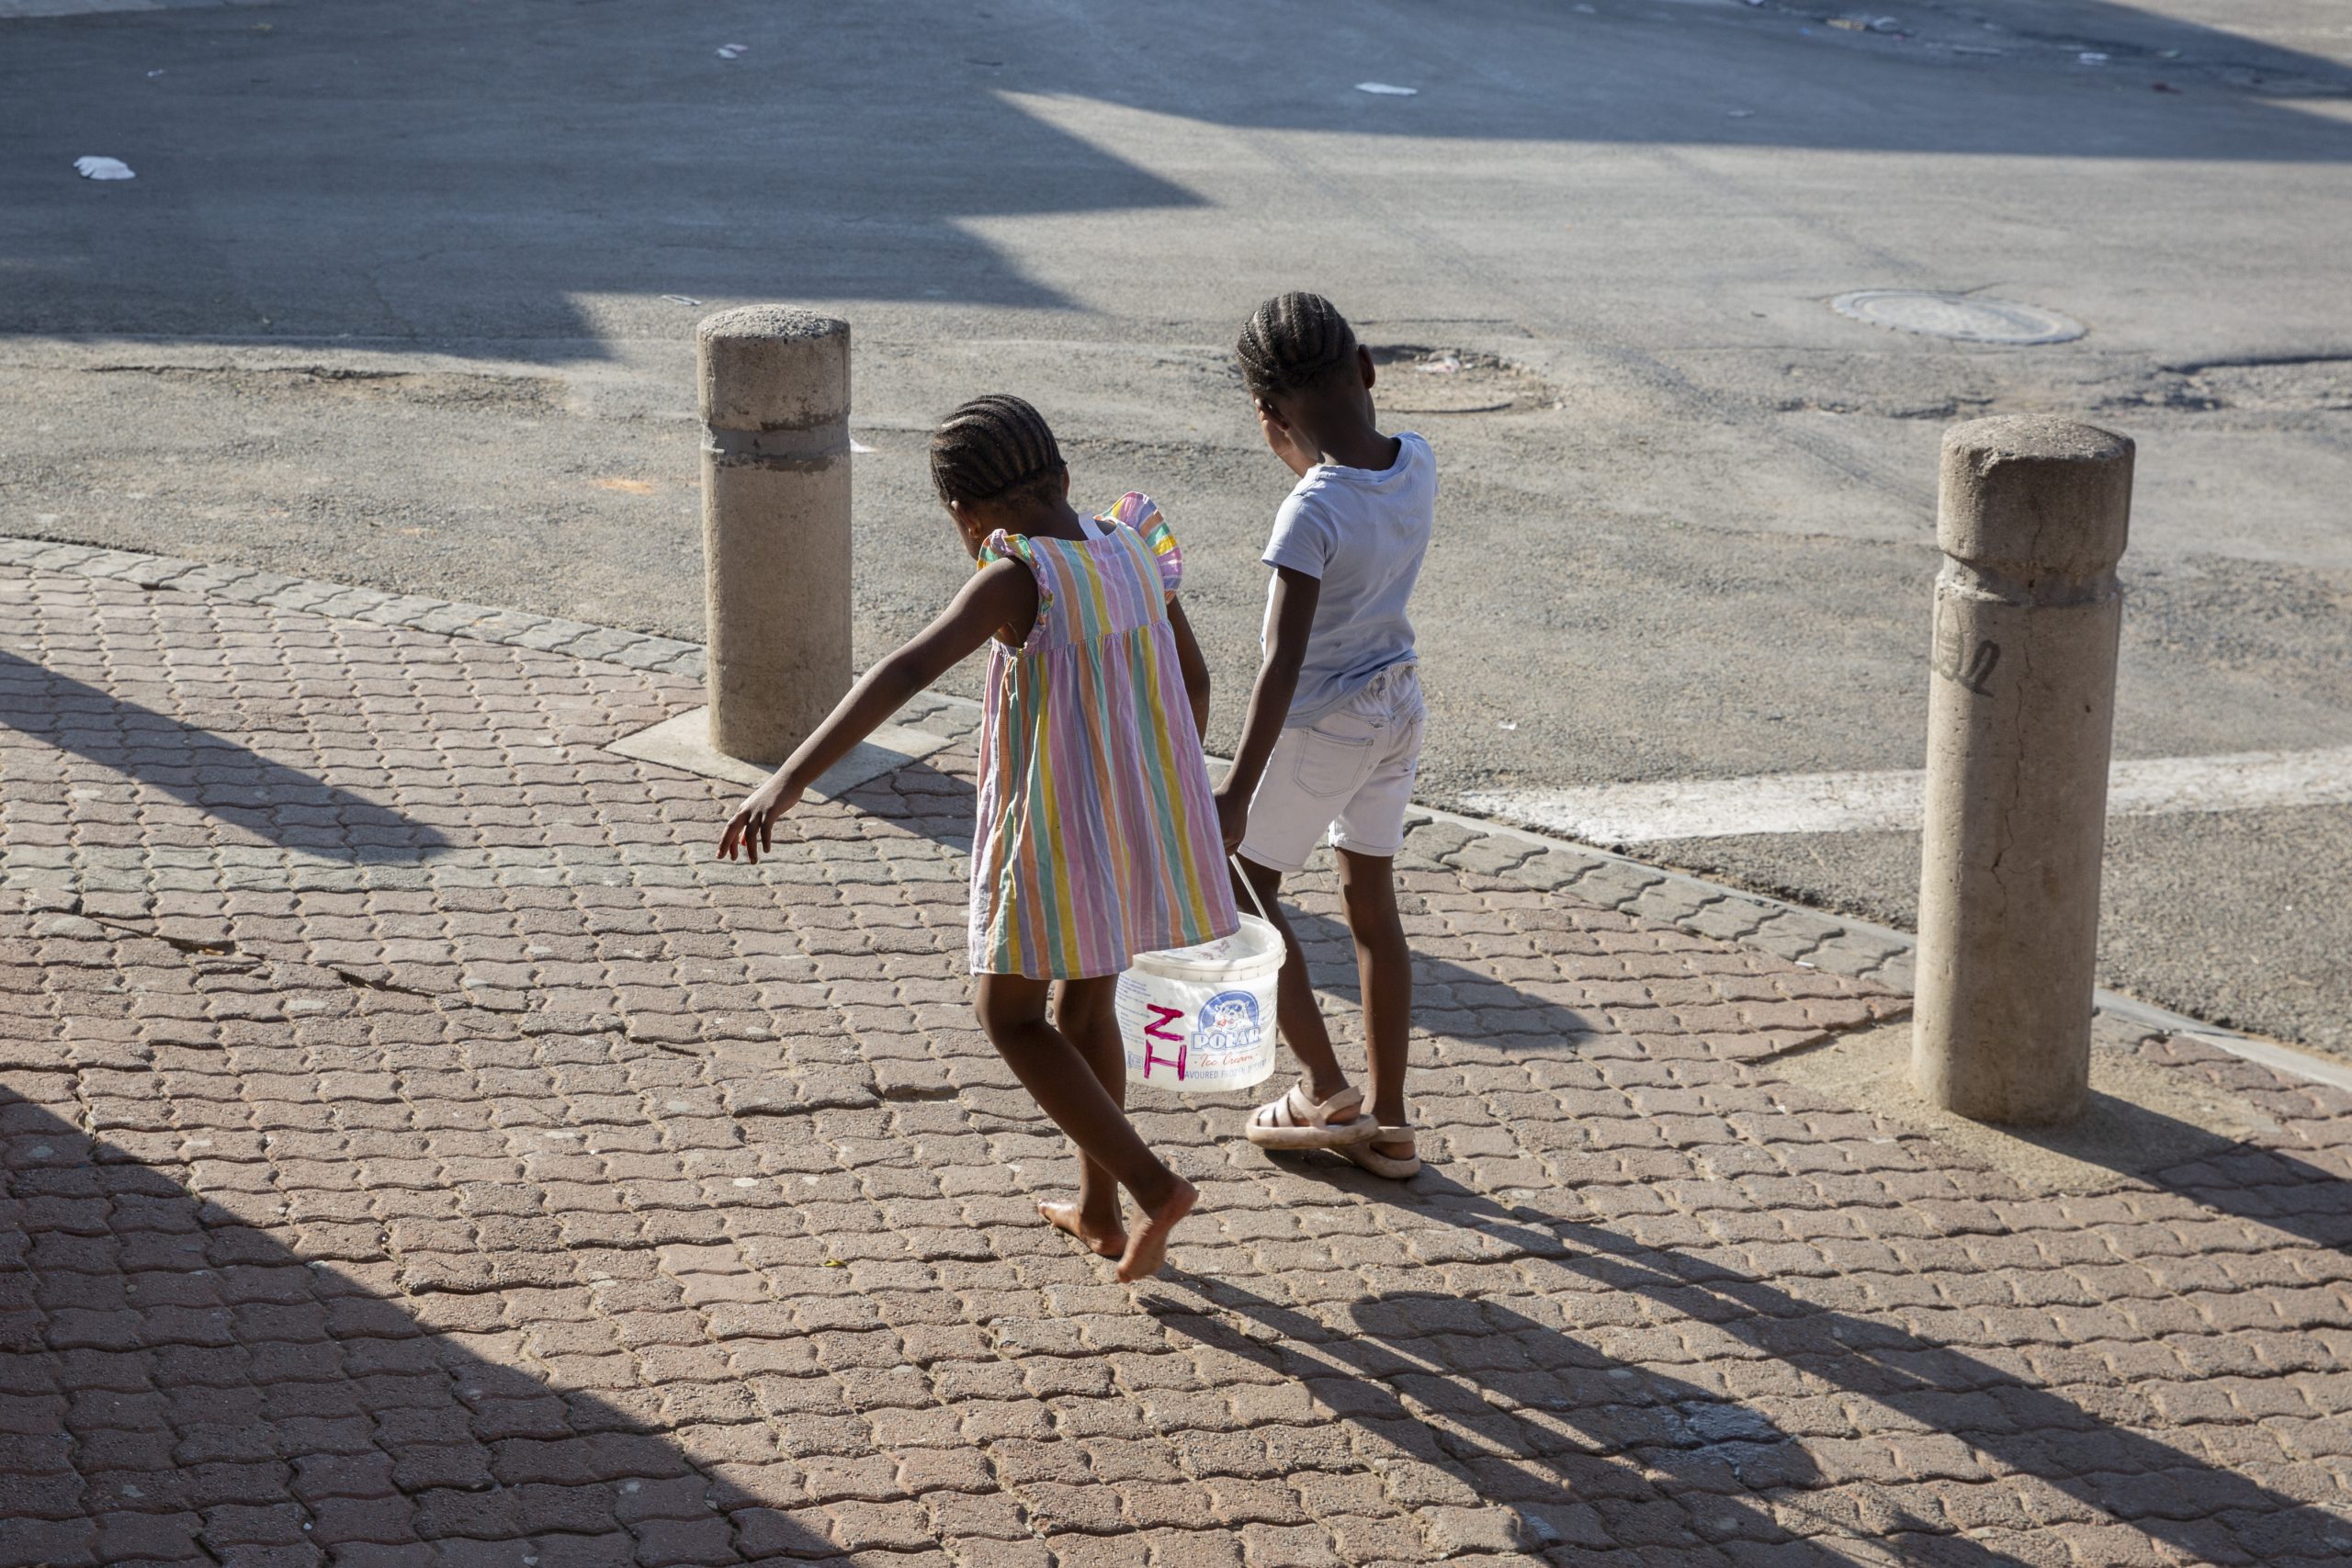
(1296, 1012)
(1384, 969)
(1088, 1017)
(1057, 1075)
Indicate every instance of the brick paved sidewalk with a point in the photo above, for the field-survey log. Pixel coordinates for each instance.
(418, 1150)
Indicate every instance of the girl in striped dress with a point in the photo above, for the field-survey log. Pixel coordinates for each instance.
(1097, 834)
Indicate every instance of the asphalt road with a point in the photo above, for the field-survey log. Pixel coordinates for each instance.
(390, 302)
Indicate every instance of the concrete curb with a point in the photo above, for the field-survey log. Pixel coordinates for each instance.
(1834, 943)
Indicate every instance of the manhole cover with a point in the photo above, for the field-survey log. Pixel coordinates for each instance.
(1967, 317)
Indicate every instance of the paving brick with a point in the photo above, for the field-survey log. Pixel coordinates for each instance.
(480, 1081)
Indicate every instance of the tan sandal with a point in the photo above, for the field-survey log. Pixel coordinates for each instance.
(1294, 1122)
(1390, 1165)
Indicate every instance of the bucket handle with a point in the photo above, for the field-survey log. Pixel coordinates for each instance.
(1249, 887)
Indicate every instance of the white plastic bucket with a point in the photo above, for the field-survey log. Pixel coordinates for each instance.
(1199, 1019)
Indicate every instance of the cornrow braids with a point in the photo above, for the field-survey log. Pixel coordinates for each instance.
(991, 448)
(1294, 341)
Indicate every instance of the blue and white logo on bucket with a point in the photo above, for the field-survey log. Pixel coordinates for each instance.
(1229, 1026)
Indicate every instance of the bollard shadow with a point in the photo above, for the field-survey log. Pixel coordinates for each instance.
(2135, 1132)
(925, 799)
(183, 1387)
(2269, 1186)
(231, 785)
(2231, 1176)
(1587, 1451)
(2169, 1494)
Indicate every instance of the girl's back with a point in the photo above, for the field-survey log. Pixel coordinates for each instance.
(1097, 835)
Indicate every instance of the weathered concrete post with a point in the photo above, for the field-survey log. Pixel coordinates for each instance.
(2033, 519)
(775, 525)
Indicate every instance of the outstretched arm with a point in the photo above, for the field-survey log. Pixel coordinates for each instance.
(1293, 614)
(1000, 596)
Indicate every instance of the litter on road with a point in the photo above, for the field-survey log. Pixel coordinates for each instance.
(732, 50)
(1389, 91)
(682, 300)
(855, 446)
(103, 169)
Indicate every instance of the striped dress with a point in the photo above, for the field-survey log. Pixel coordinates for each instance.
(1098, 834)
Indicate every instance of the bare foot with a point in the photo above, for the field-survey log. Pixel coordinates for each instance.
(1068, 1217)
(1147, 1247)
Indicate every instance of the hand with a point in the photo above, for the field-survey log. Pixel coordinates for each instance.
(1233, 818)
(753, 826)
(1283, 441)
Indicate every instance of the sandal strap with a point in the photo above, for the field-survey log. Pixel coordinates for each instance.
(1350, 1099)
(1278, 1113)
(1294, 1110)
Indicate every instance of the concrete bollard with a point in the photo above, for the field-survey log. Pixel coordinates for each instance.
(776, 535)
(2032, 518)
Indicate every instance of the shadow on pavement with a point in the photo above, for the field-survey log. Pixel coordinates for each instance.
(181, 1387)
(1445, 995)
(489, 177)
(232, 785)
(2244, 1180)
(1587, 1451)
(940, 805)
(2146, 1124)
(2174, 1498)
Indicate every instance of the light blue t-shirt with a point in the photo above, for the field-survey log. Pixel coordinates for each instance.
(1362, 533)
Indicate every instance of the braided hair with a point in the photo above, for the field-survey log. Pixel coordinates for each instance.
(992, 448)
(1292, 340)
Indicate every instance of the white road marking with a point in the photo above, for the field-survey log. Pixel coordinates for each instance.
(1890, 801)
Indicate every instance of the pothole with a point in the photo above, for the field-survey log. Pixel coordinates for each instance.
(1963, 317)
(2320, 385)
(1418, 380)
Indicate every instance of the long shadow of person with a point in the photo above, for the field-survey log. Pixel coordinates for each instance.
(182, 1387)
(226, 783)
(1468, 1405)
(1487, 1017)
(2111, 1473)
